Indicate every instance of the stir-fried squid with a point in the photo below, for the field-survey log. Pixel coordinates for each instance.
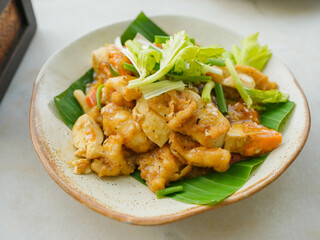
(169, 135)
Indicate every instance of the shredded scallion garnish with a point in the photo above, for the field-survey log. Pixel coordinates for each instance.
(129, 67)
(113, 71)
(169, 190)
(220, 98)
(99, 95)
(216, 62)
(206, 92)
(161, 39)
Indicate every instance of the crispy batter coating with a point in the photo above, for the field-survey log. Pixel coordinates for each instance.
(87, 137)
(154, 126)
(250, 139)
(113, 161)
(239, 113)
(159, 167)
(119, 120)
(188, 114)
(199, 156)
(262, 80)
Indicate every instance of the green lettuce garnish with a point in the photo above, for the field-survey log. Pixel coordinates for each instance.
(269, 96)
(251, 53)
(179, 56)
(179, 46)
(145, 59)
(212, 51)
(239, 86)
(159, 87)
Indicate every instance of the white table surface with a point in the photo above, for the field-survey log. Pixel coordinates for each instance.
(32, 206)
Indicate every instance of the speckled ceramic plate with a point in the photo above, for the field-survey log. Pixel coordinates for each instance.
(124, 198)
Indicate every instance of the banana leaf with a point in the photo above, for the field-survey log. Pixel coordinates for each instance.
(144, 26)
(214, 187)
(68, 107)
(276, 114)
(211, 188)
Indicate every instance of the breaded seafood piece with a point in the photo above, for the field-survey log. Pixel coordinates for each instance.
(154, 126)
(87, 137)
(250, 139)
(159, 167)
(119, 120)
(216, 158)
(188, 114)
(261, 79)
(113, 162)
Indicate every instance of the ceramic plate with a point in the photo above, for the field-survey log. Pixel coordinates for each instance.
(124, 198)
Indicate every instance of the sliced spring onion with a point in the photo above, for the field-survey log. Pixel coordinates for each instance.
(216, 62)
(157, 88)
(239, 86)
(129, 67)
(161, 39)
(113, 71)
(144, 26)
(206, 92)
(220, 98)
(169, 190)
(189, 78)
(99, 95)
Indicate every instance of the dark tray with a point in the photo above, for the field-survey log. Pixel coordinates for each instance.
(17, 27)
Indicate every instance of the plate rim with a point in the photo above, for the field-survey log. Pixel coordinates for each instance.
(43, 153)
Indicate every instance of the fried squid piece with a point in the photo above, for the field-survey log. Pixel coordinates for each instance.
(119, 120)
(80, 166)
(261, 80)
(250, 139)
(160, 167)
(154, 126)
(116, 91)
(239, 113)
(188, 114)
(216, 158)
(113, 162)
(87, 137)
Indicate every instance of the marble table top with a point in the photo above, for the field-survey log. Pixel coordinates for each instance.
(32, 206)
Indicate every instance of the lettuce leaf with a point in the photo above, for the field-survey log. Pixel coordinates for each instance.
(179, 46)
(251, 53)
(212, 51)
(269, 96)
(134, 47)
(157, 88)
(145, 59)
